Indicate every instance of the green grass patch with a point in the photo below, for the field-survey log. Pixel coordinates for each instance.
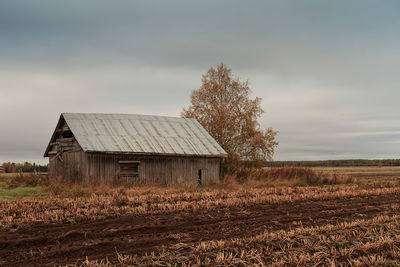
(5, 178)
(22, 192)
(17, 193)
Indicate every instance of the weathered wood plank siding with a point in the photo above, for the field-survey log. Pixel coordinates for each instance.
(104, 168)
(69, 165)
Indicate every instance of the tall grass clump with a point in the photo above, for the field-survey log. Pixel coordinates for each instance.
(298, 176)
(120, 198)
(29, 179)
(65, 188)
(245, 175)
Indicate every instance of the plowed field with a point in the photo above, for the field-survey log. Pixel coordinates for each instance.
(55, 243)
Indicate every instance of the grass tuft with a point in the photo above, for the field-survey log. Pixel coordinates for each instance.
(295, 176)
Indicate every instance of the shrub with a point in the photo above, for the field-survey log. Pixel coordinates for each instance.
(290, 173)
(120, 198)
(297, 175)
(245, 175)
(284, 175)
(29, 179)
(63, 189)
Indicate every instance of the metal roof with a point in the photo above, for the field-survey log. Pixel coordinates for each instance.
(141, 134)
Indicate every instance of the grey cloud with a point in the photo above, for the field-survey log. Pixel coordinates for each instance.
(327, 70)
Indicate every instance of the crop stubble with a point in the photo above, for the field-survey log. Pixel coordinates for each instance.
(174, 220)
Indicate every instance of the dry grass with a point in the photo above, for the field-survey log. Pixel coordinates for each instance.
(28, 179)
(289, 176)
(373, 242)
(361, 242)
(111, 202)
(364, 170)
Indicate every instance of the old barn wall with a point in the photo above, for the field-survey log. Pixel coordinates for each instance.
(69, 165)
(154, 169)
(66, 158)
(104, 168)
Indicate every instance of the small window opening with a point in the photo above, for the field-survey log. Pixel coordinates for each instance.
(199, 177)
(129, 170)
(67, 134)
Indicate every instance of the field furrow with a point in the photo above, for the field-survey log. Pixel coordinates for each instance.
(138, 233)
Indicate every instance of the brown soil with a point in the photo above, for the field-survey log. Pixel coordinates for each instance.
(48, 245)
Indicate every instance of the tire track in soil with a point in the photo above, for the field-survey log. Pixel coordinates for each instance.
(47, 245)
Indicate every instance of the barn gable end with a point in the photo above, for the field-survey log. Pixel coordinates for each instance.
(62, 140)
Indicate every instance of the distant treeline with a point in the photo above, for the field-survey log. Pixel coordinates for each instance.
(12, 167)
(335, 163)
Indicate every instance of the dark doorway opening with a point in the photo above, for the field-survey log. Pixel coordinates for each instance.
(199, 178)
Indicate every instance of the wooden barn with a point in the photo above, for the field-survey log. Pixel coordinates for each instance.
(133, 149)
(2, 170)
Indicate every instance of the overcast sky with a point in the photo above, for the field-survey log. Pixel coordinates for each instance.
(328, 71)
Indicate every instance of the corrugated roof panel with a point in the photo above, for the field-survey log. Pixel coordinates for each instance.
(137, 125)
(158, 128)
(122, 144)
(83, 141)
(206, 138)
(167, 146)
(185, 145)
(141, 134)
(149, 129)
(192, 146)
(168, 131)
(154, 144)
(170, 128)
(129, 129)
(165, 149)
(75, 124)
(118, 127)
(147, 147)
(177, 126)
(100, 128)
(128, 144)
(159, 146)
(188, 130)
(93, 143)
(108, 127)
(200, 146)
(175, 145)
(199, 137)
(108, 142)
(134, 144)
(86, 127)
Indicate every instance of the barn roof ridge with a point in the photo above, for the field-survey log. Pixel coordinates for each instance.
(124, 114)
(141, 134)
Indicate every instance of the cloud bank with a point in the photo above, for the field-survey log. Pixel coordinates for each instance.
(327, 71)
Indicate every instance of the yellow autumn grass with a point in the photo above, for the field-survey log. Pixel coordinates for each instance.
(369, 242)
(146, 200)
